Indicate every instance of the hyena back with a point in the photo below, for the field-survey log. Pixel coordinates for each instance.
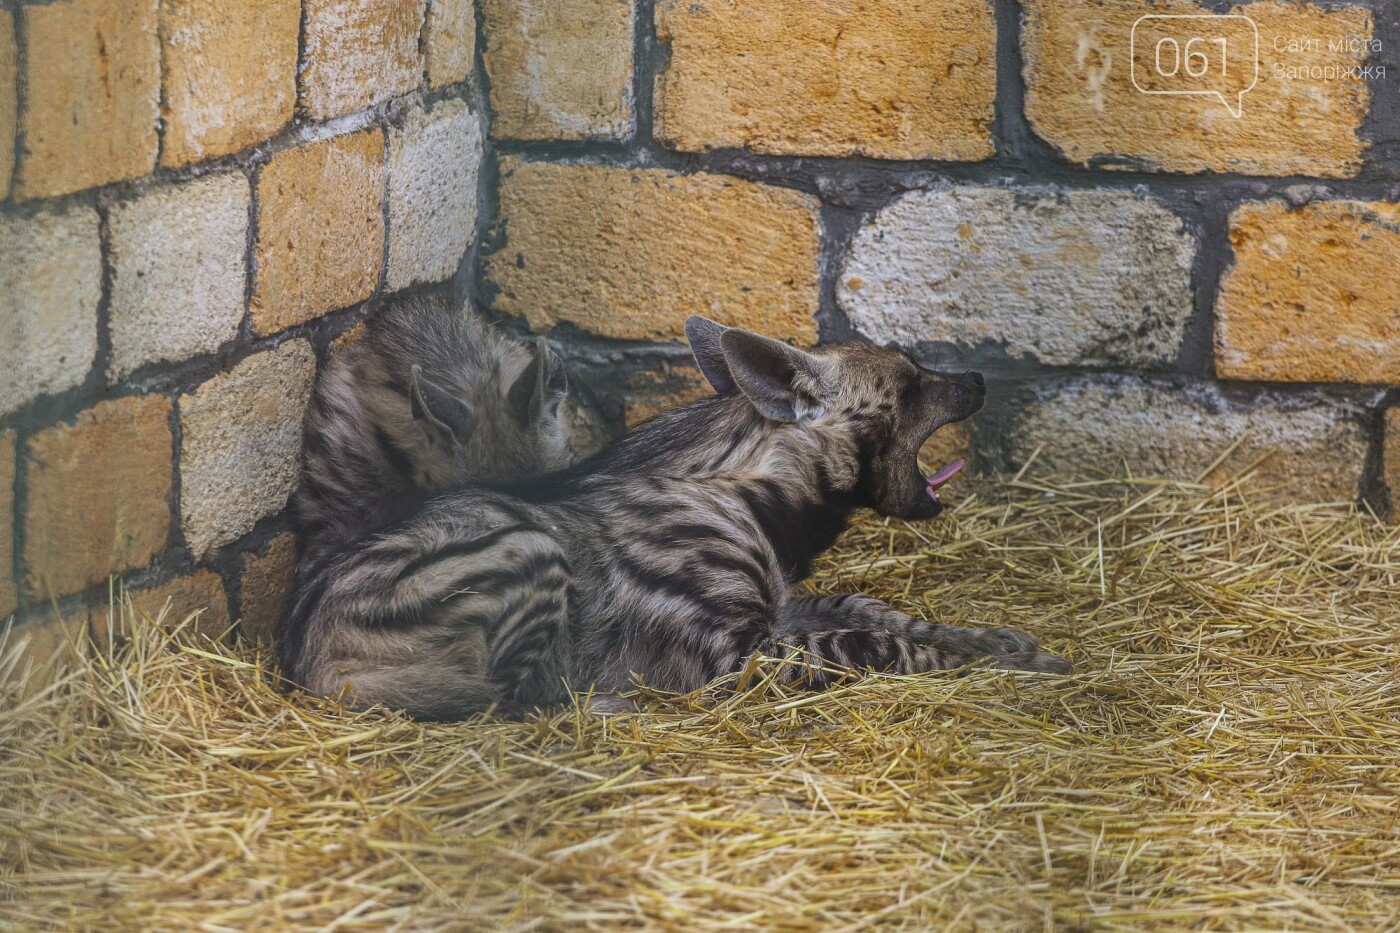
(429, 398)
(669, 556)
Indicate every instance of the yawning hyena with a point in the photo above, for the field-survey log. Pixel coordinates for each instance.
(669, 556)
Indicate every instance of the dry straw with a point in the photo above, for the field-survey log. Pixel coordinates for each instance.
(1226, 757)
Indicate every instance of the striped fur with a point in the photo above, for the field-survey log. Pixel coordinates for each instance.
(429, 398)
(670, 556)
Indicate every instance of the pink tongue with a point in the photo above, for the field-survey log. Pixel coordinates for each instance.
(945, 474)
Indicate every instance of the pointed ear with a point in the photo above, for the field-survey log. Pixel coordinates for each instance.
(781, 381)
(443, 417)
(541, 387)
(704, 335)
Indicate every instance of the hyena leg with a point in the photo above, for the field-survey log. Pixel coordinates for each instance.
(864, 633)
(433, 691)
(529, 640)
(445, 625)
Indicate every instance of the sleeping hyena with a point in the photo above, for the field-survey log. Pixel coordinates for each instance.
(431, 397)
(669, 556)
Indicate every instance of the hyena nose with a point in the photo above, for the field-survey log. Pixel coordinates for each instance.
(977, 378)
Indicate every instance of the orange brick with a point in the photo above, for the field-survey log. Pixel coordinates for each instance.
(320, 229)
(561, 69)
(48, 649)
(268, 579)
(9, 591)
(9, 102)
(1309, 298)
(891, 79)
(92, 73)
(359, 53)
(1080, 95)
(582, 246)
(650, 392)
(175, 601)
(98, 495)
(230, 75)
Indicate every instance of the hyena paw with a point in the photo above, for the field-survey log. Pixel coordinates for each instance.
(1037, 661)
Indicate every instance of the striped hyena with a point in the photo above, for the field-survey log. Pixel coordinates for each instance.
(429, 398)
(669, 556)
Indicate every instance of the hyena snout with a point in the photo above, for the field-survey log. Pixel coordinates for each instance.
(959, 395)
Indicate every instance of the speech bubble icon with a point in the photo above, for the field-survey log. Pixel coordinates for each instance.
(1196, 53)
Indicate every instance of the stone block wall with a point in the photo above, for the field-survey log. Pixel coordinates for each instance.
(1145, 279)
(197, 198)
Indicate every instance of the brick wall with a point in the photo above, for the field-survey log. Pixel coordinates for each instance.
(202, 196)
(1145, 279)
(197, 197)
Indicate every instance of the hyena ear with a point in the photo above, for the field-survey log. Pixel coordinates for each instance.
(540, 389)
(782, 382)
(440, 415)
(704, 335)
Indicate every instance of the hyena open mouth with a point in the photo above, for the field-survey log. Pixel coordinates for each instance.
(934, 483)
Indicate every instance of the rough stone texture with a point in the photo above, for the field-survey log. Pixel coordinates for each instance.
(1097, 277)
(1390, 467)
(1089, 429)
(434, 160)
(9, 103)
(9, 589)
(98, 498)
(320, 229)
(1080, 94)
(50, 262)
(267, 584)
(1311, 296)
(630, 253)
(230, 75)
(652, 391)
(179, 270)
(451, 41)
(92, 73)
(559, 69)
(242, 440)
(358, 53)
(891, 79)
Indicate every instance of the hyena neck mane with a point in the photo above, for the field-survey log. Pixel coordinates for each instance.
(799, 438)
(799, 481)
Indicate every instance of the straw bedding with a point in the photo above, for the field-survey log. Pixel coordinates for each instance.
(1227, 756)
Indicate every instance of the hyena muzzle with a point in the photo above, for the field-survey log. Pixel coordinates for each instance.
(670, 556)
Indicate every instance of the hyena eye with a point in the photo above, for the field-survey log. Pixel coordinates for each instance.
(910, 391)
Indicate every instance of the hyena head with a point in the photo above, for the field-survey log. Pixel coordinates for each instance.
(524, 423)
(869, 408)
